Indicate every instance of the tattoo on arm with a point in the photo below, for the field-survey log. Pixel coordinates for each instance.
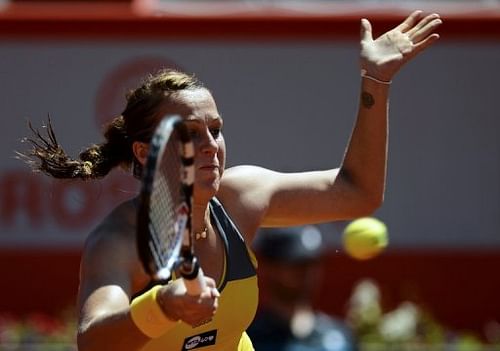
(367, 99)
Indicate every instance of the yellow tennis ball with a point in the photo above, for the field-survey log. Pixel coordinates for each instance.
(365, 238)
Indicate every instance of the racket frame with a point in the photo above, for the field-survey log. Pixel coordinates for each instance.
(182, 255)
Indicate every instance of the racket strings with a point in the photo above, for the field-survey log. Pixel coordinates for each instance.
(165, 201)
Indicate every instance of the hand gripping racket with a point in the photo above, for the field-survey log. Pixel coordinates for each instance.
(164, 235)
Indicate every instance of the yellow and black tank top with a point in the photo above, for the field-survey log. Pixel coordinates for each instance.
(237, 303)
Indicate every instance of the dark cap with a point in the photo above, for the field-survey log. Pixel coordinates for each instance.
(289, 244)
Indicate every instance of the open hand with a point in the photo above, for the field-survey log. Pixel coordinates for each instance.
(383, 57)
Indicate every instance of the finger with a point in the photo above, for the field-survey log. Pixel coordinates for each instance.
(211, 288)
(422, 23)
(424, 44)
(210, 293)
(201, 307)
(215, 292)
(424, 31)
(205, 310)
(206, 304)
(410, 21)
(210, 282)
(366, 30)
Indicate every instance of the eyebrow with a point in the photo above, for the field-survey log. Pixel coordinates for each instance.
(198, 121)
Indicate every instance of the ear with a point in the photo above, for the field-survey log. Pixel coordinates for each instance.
(140, 151)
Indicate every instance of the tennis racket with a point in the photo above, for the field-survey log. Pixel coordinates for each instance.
(164, 235)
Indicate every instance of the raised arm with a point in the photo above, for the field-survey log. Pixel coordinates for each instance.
(363, 169)
(356, 188)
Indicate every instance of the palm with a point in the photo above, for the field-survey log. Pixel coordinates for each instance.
(384, 56)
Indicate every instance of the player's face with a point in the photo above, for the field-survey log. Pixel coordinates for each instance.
(202, 118)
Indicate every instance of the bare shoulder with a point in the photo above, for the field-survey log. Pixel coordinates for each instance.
(239, 184)
(242, 192)
(110, 256)
(244, 178)
(118, 226)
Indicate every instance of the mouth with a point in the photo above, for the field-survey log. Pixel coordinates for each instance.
(210, 167)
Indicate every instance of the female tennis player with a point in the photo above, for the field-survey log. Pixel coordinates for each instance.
(120, 307)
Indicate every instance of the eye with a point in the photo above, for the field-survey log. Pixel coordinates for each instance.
(215, 132)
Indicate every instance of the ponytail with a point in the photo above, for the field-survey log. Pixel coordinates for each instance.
(136, 123)
(47, 156)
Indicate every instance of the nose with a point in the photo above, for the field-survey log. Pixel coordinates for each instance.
(208, 144)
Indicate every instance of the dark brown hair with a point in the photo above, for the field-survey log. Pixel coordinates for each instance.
(136, 123)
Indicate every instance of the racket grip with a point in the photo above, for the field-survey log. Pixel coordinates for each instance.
(194, 279)
(195, 285)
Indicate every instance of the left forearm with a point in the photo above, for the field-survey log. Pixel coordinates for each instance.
(364, 166)
(365, 160)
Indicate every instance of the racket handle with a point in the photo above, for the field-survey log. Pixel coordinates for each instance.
(196, 285)
(194, 279)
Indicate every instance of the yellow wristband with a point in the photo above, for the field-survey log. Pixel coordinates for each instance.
(148, 315)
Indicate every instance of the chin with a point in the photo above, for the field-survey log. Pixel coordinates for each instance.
(206, 189)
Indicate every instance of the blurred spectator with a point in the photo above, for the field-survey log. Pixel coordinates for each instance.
(290, 273)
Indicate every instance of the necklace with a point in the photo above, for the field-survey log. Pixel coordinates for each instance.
(202, 234)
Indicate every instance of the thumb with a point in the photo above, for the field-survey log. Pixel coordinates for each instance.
(366, 30)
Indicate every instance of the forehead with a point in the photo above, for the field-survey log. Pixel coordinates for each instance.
(193, 104)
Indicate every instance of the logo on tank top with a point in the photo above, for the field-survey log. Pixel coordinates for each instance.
(200, 340)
